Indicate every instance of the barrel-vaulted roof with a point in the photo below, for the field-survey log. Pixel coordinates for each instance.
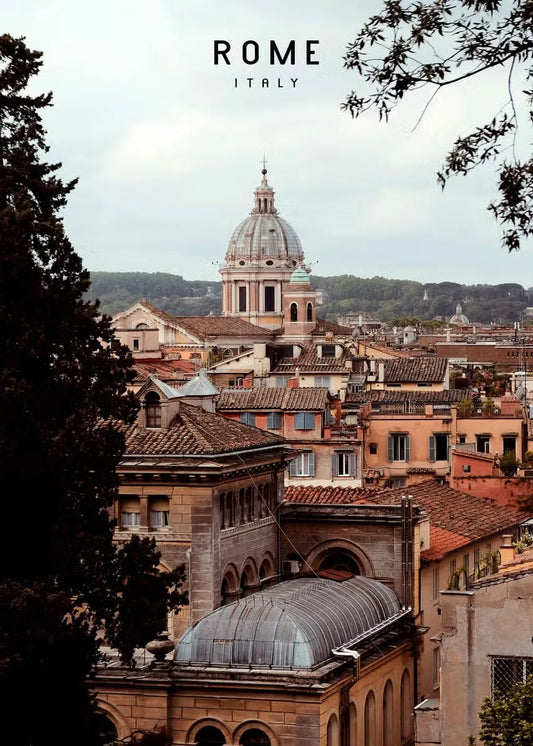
(293, 625)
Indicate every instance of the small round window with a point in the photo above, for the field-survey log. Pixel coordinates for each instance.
(242, 262)
(269, 262)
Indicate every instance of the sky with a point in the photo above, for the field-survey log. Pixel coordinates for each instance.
(168, 151)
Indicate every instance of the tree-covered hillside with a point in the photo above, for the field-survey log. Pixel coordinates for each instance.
(386, 299)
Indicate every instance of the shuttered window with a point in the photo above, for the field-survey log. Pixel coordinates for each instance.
(304, 421)
(398, 447)
(343, 464)
(303, 465)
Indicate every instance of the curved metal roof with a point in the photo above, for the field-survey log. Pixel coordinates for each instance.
(295, 624)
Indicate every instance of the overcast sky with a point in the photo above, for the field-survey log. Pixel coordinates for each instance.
(168, 151)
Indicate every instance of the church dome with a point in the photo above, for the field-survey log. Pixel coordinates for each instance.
(459, 317)
(264, 236)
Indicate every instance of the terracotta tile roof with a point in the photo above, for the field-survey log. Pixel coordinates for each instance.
(205, 326)
(166, 370)
(220, 326)
(466, 515)
(196, 432)
(386, 350)
(323, 326)
(455, 515)
(292, 399)
(310, 362)
(441, 542)
(415, 370)
(449, 396)
(330, 495)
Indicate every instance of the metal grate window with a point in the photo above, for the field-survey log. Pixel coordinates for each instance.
(508, 671)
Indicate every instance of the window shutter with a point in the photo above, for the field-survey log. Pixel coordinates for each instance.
(311, 464)
(390, 446)
(293, 467)
(334, 465)
(431, 441)
(407, 447)
(299, 421)
(309, 418)
(351, 464)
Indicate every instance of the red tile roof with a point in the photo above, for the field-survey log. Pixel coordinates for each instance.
(441, 542)
(196, 432)
(206, 327)
(310, 362)
(167, 370)
(292, 399)
(416, 370)
(453, 515)
(330, 495)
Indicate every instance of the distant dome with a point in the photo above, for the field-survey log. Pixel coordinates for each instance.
(264, 235)
(295, 624)
(459, 317)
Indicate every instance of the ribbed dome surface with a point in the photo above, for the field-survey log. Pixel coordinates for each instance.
(265, 235)
(295, 624)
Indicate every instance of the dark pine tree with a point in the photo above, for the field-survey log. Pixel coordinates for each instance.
(63, 410)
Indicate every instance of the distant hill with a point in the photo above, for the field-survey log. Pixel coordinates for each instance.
(383, 298)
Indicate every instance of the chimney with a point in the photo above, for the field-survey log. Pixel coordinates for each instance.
(247, 383)
(507, 549)
(293, 383)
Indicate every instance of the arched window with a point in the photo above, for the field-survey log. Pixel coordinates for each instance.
(254, 737)
(309, 312)
(352, 725)
(152, 404)
(142, 325)
(294, 312)
(333, 731)
(105, 729)
(370, 720)
(406, 704)
(388, 721)
(340, 560)
(209, 736)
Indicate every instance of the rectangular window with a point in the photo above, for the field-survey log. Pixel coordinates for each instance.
(483, 443)
(424, 384)
(398, 447)
(281, 382)
(269, 298)
(436, 668)
(242, 298)
(436, 584)
(507, 671)
(136, 345)
(509, 443)
(328, 350)
(159, 512)
(438, 447)
(274, 420)
(303, 465)
(248, 418)
(322, 382)
(343, 464)
(466, 563)
(394, 385)
(304, 421)
(130, 519)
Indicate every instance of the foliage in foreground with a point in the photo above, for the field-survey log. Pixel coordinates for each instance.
(508, 720)
(63, 410)
(432, 45)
